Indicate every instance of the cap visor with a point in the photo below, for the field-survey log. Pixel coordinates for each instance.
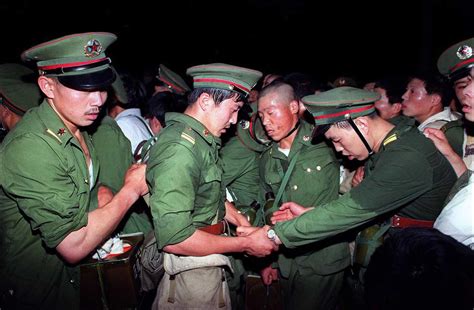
(89, 81)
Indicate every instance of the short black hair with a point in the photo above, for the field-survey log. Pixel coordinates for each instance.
(217, 94)
(394, 87)
(164, 102)
(420, 268)
(435, 84)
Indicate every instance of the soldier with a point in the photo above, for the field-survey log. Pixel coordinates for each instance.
(297, 170)
(187, 195)
(456, 63)
(169, 81)
(406, 178)
(18, 93)
(48, 168)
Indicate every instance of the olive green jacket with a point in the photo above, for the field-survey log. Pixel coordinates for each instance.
(313, 181)
(46, 195)
(184, 175)
(113, 150)
(407, 176)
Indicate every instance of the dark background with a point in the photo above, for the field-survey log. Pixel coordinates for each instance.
(362, 39)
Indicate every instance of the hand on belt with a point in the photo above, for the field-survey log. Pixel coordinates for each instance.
(403, 222)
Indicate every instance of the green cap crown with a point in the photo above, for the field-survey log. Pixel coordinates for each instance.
(18, 89)
(340, 104)
(223, 76)
(175, 83)
(455, 60)
(78, 60)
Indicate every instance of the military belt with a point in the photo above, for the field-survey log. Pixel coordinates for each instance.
(404, 222)
(216, 229)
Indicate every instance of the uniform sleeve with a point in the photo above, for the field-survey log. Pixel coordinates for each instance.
(401, 176)
(173, 176)
(39, 179)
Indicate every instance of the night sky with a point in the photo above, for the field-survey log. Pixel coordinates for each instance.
(363, 39)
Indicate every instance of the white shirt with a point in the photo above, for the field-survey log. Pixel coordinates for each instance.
(457, 217)
(438, 120)
(134, 126)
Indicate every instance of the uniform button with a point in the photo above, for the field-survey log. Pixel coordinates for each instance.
(72, 281)
(318, 168)
(308, 169)
(295, 187)
(86, 181)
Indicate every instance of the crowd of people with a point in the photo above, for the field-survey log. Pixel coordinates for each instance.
(349, 195)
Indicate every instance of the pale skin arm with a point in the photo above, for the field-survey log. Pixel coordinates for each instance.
(233, 216)
(442, 144)
(102, 221)
(358, 176)
(201, 243)
(286, 212)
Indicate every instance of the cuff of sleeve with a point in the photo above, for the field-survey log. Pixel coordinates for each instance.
(279, 230)
(178, 237)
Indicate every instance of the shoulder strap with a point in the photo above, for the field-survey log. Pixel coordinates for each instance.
(285, 181)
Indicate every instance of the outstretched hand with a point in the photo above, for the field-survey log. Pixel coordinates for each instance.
(288, 211)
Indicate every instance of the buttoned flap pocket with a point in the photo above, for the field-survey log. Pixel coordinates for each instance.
(272, 178)
(213, 174)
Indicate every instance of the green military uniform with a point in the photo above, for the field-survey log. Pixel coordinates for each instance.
(312, 276)
(185, 176)
(240, 160)
(46, 181)
(407, 176)
(113, 151)
(48, 187)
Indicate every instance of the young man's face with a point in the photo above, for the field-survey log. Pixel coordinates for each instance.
(346, 141)
(416, 99)
(464, 89)
(223, 115)
(78, 108)
(277, 117)
(385, 109)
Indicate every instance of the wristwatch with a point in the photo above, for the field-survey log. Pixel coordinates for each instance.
(271, 234)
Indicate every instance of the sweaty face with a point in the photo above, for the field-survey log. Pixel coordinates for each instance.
(384, 108)
(223, 115)
(416, 99)
(78, 108)
(464, 89)
(346, 141)
(277, 116)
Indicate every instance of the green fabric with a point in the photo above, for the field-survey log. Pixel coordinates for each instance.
(184, 174)
(240, 171)
(407, 175)
(454, 132)
(114, 153)
(46, 179)
(456, 57)
(75, 48)
(224, 76)
(175, 83)
(314, 181)
(339, 104)
(18, 89)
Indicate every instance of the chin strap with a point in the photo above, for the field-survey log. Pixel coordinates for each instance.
(292, 130)
(356, 129)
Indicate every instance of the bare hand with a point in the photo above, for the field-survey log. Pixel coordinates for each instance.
(288, 211)
(104, 195)
(135, 179)
(234, 216)
(245, 230)
(439, 140)
(358, 176)
(259, 244)
(269, 275)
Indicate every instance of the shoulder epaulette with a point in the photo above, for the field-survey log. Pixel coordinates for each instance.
(51, 133)
(390, 139)
(188, 137)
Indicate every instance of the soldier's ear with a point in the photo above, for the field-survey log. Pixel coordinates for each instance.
(205, 101)
(362, 124)
(294, 106)
(47, 86)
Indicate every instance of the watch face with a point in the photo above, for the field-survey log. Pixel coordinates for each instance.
(271, 234)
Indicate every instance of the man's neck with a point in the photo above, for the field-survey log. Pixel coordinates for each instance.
(380, 129)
